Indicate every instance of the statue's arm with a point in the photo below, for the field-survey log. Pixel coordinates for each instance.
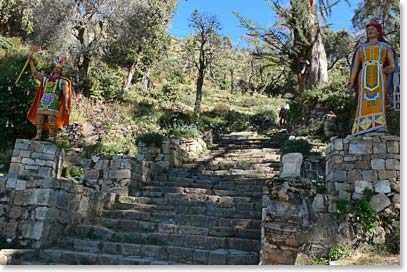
(390, 60)
(65, 93)
(34, 71)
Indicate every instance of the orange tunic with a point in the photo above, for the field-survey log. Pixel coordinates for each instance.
(371, 109)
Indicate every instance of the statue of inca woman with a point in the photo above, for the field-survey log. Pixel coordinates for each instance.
(372, 69)
(52, 103)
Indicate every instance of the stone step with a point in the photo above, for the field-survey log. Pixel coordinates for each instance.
(146, 226)
(184, 219)
(180, 240)
(241, 210)
(167, 253)
(190, 195)
(16, 256)
(238, 203)
(175, 187)
(73, 257)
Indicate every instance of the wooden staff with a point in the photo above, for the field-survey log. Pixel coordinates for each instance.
(32, 50)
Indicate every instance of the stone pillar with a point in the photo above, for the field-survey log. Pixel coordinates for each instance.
(370, 162)
(37, 158)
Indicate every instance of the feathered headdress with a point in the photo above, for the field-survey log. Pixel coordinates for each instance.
(59, 61)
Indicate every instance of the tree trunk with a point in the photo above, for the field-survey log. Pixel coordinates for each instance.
(199, 84)
(231, 81)
(318, 69)
(83, 68)
(146, 79)
(129, 78)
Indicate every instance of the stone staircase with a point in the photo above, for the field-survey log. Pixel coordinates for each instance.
(206, 212)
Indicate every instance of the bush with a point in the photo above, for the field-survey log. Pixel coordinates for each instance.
(337, 252)
(73, 171)
(186, 132)
(296, 146)
(106, 81)
(172, 119)
(151, 138)
(15, 100)
(295, 115)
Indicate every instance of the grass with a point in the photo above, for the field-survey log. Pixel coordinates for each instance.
(369, 255)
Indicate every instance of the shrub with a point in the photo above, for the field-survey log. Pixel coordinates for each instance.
(295, 115)
(105, 81)
(294, 146)
(151, 138)
(337, 252)
(175, 119)
(186, 132)
(73, 171)
(63, 143)
(342, 207)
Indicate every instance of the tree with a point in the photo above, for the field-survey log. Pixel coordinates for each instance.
(146, 42)
(207, 41)
(16, 17)
(339, 46)
(296, 40)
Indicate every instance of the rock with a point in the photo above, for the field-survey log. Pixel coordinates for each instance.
(382, 187)
(379, 202)
(392, 164)
(291, 165)
(360, 148)
(380, 236)
(378, 164)
(361, 185)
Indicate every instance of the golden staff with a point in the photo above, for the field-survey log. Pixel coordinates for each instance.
(32, 50)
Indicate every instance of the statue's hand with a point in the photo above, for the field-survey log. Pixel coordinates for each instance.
(349, 85)
(388, 69)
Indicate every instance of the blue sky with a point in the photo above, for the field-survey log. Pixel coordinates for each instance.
(256, 10)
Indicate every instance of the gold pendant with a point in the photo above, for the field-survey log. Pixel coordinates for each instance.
(50, 84)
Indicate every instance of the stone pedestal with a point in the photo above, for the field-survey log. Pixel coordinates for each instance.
(36, 158)
(364, 162)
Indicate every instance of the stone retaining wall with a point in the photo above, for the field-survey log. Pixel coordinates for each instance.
(34, 212)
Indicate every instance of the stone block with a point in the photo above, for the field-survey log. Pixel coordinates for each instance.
(379, 202)
(369, 175)
(360, 147)
(343, 195)
(392, 164)
(16, 159)
(41, 213)
(378, 164)
(396, 198)
(354, 175)
(50, 149)
(45, 172)
(393, 147)
(25, 154)
(11, 183)
(382, 187)
(340, 175)
(21, 144)
(349, 158)
(291, 165)
(361, 185)
(31, 168)
(62, 200)
(37, 230)
(91, 174)
(42, 156)
(40, 162)
(379, 148)
(15, 212)
(21, 185)
(338, 144)
(120, 174)
(342, 186)
(28, 161)
(319, 202)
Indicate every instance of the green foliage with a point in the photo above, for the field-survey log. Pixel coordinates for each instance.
(332, 96)
(337, 252)
(111, 145)
(368, 216)
(171, 119)
(186, 132)
(151, 138)
(63, 143)
(342, 207)
(295, 115)
(91, 234)
(294, 146)
(105, 81)
(15, 100)
(73, 171)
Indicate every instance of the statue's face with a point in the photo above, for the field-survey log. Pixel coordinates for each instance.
(56, 71)
(372, 32)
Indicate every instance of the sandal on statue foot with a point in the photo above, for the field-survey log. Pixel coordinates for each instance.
(36, 138)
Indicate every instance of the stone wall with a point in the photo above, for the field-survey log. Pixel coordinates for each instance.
(36, 206)
(365, 162)
(184, 150)
(34, 212)
(42, 159)
(110, 175)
